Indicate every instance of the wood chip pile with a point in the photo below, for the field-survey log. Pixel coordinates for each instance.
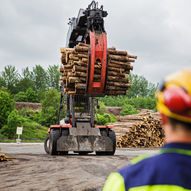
(3, 157)
(148, 133)
(75, 66)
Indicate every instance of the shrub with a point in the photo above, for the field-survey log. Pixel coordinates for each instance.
(13, 122)
(31, 96)
(104, 119)
(28, 96)
(102, 108)
(128, 110)
(50, 108)
(6, 106)
(33, 130)
(20, 97)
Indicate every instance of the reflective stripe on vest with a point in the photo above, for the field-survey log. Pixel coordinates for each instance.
(115, 182)
(161, 151)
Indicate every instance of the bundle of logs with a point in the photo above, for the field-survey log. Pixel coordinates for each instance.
(75, 70)
(148, 133)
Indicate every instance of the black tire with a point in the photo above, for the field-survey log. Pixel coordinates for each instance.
(54, 135)
(46, 144)
(112, 136)
(65, 132)
(83, 152)
(63, 153)
(103, 133)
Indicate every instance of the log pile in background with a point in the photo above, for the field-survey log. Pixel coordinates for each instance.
(148, 133)
(75, 65)
(124, 123)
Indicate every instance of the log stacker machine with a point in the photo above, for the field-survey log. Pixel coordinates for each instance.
(79, 132)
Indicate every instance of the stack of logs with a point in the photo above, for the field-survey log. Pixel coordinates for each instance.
(148, 133)
(75, 66)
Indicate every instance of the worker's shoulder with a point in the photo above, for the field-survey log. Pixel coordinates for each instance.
(159, 168)
(155, 161)
(139, 164)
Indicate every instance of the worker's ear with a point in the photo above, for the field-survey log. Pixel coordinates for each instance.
(164, 119)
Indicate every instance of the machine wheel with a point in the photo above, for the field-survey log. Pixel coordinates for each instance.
(46, 143)
(83, 152)
(54, 135)
(65, 132)
(112, 136)
(63, 153)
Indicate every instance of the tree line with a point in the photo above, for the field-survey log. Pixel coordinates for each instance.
(42, 85)
(29, 85)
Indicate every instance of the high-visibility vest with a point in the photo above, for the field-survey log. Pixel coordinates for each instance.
(168, 170)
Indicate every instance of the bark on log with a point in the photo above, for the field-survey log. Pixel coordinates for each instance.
(61, 69)
(124, 67)
(117, 79)
(80, 86)
(117, 52)
(80, 63)
(120, 70)
(117, 84)
(79, 69)
(65, 67)
(119, 58)
(119, 64)
(112, 73)
(85, 60)
(75, 79)
(83, 55)
(64, 50)
(112, 48)
(83, 44)
(131, 56)
(81, 48)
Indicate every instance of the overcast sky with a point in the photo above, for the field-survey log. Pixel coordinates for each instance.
(157, 31)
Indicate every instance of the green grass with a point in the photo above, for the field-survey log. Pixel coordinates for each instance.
(32, 132)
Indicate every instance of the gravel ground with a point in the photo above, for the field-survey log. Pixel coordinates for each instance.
(33, 169)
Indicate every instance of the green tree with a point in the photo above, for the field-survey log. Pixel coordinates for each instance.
(20, 97)
(40, 78)
(10, 77)
(140, 87)
(6, 106)
(13, 122)
(128, 110)
(53, 77)
(50, 106)
(26, 81)
(2, 82)
(31, 95)
(28, 74)
(28, 96)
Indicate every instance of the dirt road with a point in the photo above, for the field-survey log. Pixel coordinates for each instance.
(33, 169)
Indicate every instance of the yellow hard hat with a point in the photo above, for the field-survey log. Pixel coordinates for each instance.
(174, 96)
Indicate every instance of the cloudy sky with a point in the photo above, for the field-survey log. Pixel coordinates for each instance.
(157, 31)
